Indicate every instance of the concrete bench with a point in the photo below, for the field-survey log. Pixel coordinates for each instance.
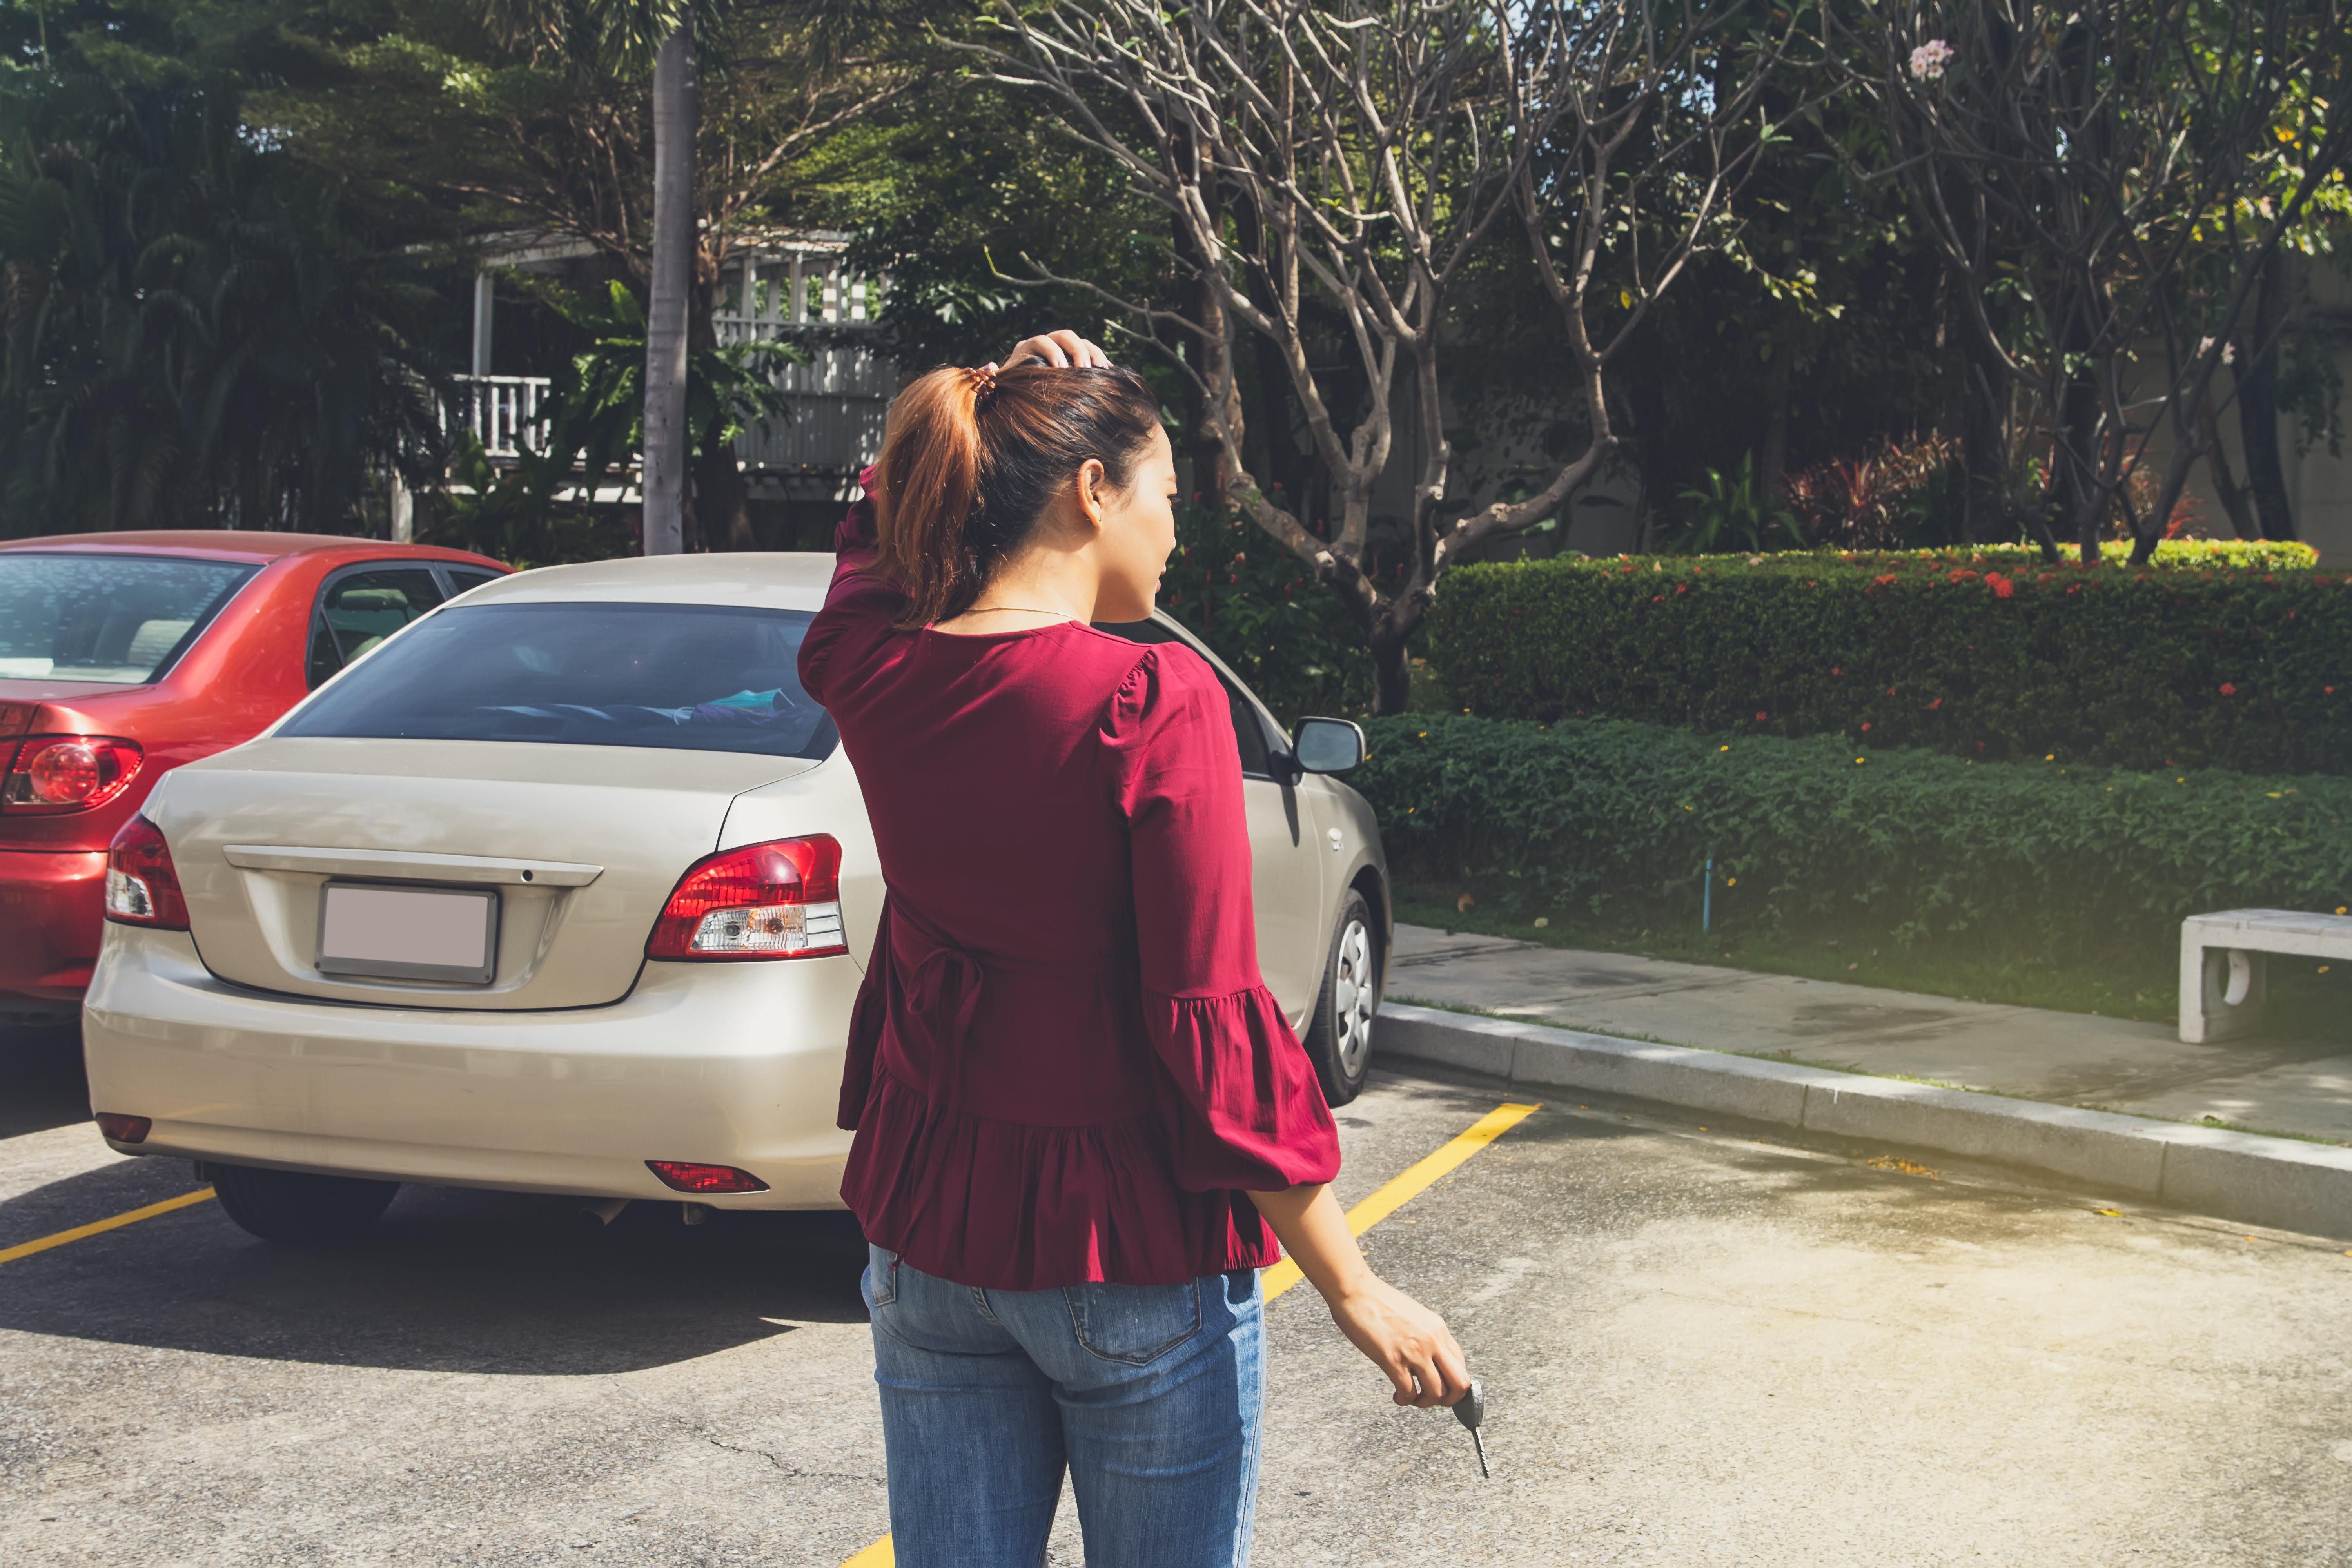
(2222, 978)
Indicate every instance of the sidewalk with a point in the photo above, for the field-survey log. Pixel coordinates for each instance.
(1564, 1017)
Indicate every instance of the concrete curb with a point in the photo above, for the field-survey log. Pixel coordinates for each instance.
(2233, 1175)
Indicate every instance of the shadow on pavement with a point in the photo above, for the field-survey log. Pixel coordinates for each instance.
(41, 1083)
(451, 1280)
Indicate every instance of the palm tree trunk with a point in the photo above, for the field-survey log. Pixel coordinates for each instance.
(673, 275)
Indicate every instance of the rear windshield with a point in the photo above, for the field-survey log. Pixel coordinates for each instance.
(121, 619)
(686, 676)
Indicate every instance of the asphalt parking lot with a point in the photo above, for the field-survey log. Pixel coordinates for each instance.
(1700, 1346)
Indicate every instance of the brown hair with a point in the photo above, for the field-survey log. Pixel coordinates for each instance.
(972, 458)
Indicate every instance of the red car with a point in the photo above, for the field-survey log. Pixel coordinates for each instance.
(124, 655)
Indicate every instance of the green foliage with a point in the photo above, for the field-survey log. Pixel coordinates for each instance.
(598, 410)
(1616, 819)
(1265, 614)
(1734, 511)
(948, 187)
(2237, 656)
(593, 421)
(200, 329)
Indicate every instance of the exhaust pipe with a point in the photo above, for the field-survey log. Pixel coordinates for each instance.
(601, 1212)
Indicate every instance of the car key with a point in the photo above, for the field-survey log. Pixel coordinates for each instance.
(1471, 1410)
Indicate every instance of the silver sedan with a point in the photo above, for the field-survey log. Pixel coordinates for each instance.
(566, 888)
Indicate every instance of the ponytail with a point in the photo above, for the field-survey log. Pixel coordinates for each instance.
(972, 458)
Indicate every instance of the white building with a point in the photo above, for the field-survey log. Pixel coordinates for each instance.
(791, 287)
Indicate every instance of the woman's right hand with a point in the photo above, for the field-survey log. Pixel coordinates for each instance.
(1401, 1337)
(1404, 1339)
(1063, 348)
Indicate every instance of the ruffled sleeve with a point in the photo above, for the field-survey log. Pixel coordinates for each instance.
(1238, 1097)
(859, 605)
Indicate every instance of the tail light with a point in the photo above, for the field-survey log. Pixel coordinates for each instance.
(779, 899)
(686, 1176)
(141, 888)
(125, 1129)
(68, 773)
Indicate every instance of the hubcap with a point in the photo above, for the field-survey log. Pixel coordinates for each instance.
(1352, 997)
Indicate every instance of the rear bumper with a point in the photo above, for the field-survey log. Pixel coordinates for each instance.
(728, 1064)
(51, 915)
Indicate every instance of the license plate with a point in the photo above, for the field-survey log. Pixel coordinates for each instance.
(409, 933)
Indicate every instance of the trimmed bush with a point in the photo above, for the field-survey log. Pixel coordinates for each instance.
(2216, 658)
(1616, 820)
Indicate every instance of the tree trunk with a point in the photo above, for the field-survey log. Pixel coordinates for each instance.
(1210, 353)
(1987, 517)
(667, 436)
(2234, 501)
(722, 501)
(1772, 465)
(1392, 676)
(2258, 401)
(721, 510)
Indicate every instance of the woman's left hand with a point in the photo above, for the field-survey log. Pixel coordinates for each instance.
(1064, 349)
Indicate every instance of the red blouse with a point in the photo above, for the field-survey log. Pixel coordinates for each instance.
(1062, 1064)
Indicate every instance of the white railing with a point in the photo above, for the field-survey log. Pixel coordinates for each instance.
(502, 412)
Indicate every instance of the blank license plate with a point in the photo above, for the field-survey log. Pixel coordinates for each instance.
(409, 933)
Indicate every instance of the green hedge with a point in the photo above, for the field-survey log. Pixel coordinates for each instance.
(2237, 656)
(1616, 819)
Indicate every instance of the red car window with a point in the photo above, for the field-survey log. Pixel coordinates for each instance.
(116, 619)
(360, 609)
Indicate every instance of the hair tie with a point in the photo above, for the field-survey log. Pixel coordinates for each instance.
(982, 379)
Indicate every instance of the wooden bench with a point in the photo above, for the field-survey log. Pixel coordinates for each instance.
(2222, 969)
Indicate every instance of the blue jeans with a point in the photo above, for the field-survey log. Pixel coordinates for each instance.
(1150, 1395)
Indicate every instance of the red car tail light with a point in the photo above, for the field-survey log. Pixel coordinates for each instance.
(779, 899)
(68, 773)
(686, 1176)
(124, 1129)
(141, 888)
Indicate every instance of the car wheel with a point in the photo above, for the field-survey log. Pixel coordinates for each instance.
(1340, 1040)
(300, 1210)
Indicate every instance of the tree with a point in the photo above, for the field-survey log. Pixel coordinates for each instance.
(1347, 161)
(576, 117)
(200, 330)
(2076, 163)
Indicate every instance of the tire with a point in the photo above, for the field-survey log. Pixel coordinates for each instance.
(299, 1210)
(1340, 1040)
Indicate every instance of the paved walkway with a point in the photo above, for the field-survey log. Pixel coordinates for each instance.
(2066, 1059)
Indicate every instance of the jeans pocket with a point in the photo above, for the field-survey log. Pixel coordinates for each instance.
(1133, 1324)
(879, 1283)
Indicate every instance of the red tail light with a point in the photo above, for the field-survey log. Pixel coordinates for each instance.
(68, 773)
(124, 1129)
(686, 1176)
(141, 888)
(779, 899)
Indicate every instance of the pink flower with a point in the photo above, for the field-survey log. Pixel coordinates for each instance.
(1928, 61)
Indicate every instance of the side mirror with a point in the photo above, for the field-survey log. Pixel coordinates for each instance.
(1328, 746)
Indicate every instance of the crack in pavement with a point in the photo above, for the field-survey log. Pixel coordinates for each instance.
(792, 1470)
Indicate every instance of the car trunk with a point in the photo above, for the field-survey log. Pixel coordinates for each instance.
(577, 848)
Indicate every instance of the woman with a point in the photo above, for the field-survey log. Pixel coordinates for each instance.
(1077, 1108)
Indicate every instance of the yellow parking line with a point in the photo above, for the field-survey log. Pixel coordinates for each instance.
(27, 1248)
(1411, 1185)
(1361, 1218)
